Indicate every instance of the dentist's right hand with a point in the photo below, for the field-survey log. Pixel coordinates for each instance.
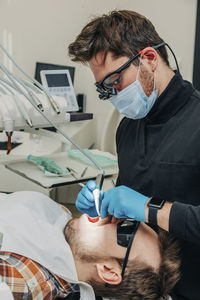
(85, 200)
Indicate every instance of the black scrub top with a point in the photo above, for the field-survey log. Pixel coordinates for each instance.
(159, 156)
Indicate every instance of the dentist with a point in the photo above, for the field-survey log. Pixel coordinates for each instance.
(158, 141)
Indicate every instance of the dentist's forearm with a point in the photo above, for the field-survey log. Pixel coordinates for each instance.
(180, 219)
(162, 215)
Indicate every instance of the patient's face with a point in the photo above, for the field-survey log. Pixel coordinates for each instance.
(97, 238)
(100, 239)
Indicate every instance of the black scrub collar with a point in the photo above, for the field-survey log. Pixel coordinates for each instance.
(176, 94)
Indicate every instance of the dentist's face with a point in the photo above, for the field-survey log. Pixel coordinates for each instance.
(101, 68)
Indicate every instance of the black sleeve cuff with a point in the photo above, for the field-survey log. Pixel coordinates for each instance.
(177, 220)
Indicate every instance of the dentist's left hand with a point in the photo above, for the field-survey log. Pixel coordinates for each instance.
(85, 199)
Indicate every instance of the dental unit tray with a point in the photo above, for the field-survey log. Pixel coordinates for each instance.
(74, 166)
(104, 161)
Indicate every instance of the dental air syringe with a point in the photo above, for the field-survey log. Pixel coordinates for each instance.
(96, 194)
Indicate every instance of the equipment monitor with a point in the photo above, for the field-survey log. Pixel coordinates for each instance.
(58, 82)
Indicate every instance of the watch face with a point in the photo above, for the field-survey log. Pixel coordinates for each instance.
(156, 202)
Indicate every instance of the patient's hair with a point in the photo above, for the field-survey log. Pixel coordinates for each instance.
(141, 281)
(122, 32)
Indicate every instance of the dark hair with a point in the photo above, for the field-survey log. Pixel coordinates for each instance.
(122, 32)
(141, 281)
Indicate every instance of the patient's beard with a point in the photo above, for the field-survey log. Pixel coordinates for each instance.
(79, 249)
(71, 235)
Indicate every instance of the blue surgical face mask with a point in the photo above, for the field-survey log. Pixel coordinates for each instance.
(133, 102)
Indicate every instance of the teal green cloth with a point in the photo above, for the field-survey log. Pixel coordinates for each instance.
(48, 165)
(102, 160)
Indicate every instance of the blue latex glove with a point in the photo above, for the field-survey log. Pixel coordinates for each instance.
(123, 202)
(85, 199)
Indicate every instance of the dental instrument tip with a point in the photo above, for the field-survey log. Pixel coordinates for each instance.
(57, 110)
(29, 122)
(40, 107)
(54, 105)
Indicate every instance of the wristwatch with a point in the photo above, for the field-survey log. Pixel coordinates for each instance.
(154, 204)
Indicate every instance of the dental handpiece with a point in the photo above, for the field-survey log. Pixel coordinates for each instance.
(96, 193)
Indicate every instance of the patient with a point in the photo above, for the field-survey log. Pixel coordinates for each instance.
(45, 254)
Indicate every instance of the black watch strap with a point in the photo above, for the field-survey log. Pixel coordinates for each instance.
(154, 204)
(153, 215)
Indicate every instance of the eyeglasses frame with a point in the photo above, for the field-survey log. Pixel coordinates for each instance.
(104, 93)
(129, 247)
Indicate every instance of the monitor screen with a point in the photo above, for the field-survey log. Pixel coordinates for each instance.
(57, 80)
(45, 66)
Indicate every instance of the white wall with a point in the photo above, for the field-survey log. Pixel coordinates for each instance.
(41, 30)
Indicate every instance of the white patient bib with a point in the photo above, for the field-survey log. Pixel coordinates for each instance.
(31, 224)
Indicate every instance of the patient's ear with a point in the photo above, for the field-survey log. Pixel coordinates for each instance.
(109, 272)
